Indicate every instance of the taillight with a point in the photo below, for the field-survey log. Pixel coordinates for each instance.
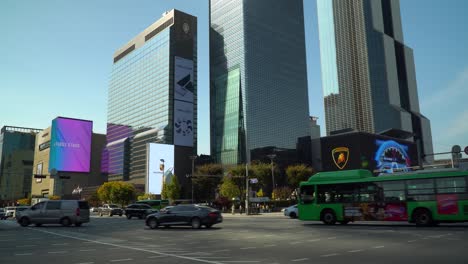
(213, 214)
(77, 211)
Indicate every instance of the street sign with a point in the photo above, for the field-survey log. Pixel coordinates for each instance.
(466, 150)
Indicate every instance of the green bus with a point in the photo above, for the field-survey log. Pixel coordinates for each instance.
(156, 204)
(424, 197)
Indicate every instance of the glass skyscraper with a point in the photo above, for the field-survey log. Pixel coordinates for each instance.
(153, 95)
(368, 73)
(258, 76)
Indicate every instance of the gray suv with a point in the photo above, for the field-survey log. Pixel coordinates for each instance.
(64, 212)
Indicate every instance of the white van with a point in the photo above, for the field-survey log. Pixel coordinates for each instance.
(64, 212)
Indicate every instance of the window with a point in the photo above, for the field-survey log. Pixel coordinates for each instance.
(420, 190)
(451, 185)
(307, 193)
(393, 191)
(53, 205)
(38, 206)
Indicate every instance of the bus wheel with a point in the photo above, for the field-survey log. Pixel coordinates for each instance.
(422, 217)
(329, 217)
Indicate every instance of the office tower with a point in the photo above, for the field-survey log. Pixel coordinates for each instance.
(368, 73)
(153, 97)
(16, 162)
(258, 77)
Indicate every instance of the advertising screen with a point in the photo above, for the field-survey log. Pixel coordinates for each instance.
(183, 124)
(391, 156)
(160, 166)
(183, 80)
(70, 145)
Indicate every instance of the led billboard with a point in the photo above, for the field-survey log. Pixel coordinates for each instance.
(391, 155)
(160, 166)
(70, 145)
(183, 124)
(183, 79)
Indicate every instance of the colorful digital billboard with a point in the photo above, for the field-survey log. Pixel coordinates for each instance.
(70, 145)
(160, 166)
(391, 156)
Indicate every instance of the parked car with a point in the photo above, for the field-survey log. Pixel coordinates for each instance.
(2, 214)
(94, 209)
(185, 214)
(110, 210)
(292, 211)
(139, 210)
(64, 212)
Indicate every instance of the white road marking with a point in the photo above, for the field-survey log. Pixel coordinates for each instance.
(378, 247)
(113, 248)
(272, 245)
(329, 255)
(411, 241)
(240, 261)
(60, 244)
(249, 248)
(57, 252)
(86, 250)
(313, 240)
(85, 263)
(23, 254)
(127, 247)
(302, 259)
(221, 250)
(251, 237)
(295, 243)
(356, 250)
(120, 260)
(150, 257)
(22, 246)
(331, 238)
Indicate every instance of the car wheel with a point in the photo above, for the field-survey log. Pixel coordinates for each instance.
(328, 217)
(24, 222)
(208, 225)
(110, 214)
(129, 217)
(78, 224)
(422, 217)
(65, 221)
(120, 214)
(153, 223)
(293, 215)
(195, 223)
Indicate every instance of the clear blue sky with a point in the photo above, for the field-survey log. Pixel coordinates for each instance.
(56, 57)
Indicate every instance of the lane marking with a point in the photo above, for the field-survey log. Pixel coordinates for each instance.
(151, 257)
(272, 245)
(57, 252)
(252, 237)
(329, 255)
(87, 250)
(23, 254)
(249, 248)
(313, 240)
(221, 250)
(60, 244)
(331, 238)
(356, 250)
(85, 263)
(128, 247)
(294, 243)
(120, 260)
(378, 247)
(411, 241)
(302, 259)
(23, 246)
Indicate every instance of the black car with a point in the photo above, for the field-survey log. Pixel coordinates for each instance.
(191, 215)
(139, 210)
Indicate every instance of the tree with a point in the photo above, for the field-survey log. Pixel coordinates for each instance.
(298, 173)
(93, 200)
(164, 193)
(229, 189)
(260, 193)
(206, 181)
(173, 189)
(146, 196)
(24, 201)
(281, 193)
(116, 192)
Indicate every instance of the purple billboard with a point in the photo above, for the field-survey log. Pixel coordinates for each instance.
(70, 145)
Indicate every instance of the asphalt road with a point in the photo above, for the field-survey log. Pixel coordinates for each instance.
(239, 239)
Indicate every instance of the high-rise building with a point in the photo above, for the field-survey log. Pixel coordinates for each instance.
(368, 73)
(16, 162)
(258, 77)
(153, 97)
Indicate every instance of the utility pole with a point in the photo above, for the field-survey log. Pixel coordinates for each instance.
(271, 157)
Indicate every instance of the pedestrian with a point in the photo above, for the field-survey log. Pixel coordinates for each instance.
(240, 209)
(233, 208)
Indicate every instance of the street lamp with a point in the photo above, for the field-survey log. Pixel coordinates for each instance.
(271, 157)
(192, 157)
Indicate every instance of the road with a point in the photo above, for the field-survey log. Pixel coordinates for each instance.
(269, 238)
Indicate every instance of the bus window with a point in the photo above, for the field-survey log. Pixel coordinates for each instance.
(394, 191)
(420, 190)
(307, 193)
(451, 185)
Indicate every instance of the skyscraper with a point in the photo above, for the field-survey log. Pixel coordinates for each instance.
(368, 73)
(153, 97)
(258, 77)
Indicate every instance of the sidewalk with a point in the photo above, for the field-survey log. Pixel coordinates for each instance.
(274, 215)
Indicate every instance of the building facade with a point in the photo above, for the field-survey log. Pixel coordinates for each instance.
(67, 157)
(153, 97)
(368, 73)
(16, 162)
(258, 77)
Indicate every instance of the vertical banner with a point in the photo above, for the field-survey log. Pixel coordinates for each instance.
(183, 79)
(183, 124)
(160, 166)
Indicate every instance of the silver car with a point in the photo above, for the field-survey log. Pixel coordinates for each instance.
(64, 212)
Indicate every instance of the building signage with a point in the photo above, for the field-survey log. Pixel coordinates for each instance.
(160, 167)
(183, 79)
(340, 157)
(183, 124)
(44, 145)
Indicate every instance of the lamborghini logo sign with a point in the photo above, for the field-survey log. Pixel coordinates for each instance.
(340, 157)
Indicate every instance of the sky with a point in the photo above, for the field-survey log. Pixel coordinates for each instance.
(56, 59)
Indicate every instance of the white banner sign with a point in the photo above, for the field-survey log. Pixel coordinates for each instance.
(183, 80)
(183, 124)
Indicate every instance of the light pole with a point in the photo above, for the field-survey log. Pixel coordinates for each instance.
(192, 157)
(271, 157)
